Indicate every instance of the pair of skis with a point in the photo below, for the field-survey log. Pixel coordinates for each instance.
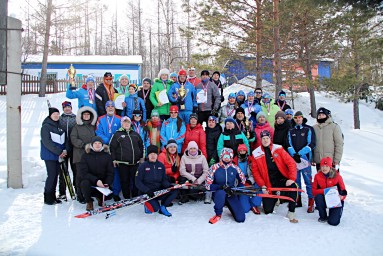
(127, 203)
(252, 191)
(68, 181)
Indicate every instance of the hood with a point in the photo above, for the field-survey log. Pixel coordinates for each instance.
(89, 150)
(93, 117)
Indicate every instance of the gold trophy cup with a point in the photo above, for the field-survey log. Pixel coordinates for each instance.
(247, 124)
(182, 92)
(72, 74)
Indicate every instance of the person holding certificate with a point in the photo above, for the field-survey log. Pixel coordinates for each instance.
(133, 102)
(158, 94)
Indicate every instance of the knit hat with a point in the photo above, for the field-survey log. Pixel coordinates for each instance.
(205, 72)
(90, 79)
(95, 139)
(239, 109)
(66, 104)
(240, 93)
(326, 161)
(260, 113)
(53, 110)
(250, 93)
(229, 119)
(171, 142)
(155, 112)
(323, 110)
(216, 72)
(173, 108)
(298, 113)
(282, 93)
(123, 76)
(182, 72)
(265, 133)
(137, 112)
(173, 74)
(152, 149)
(108, 74)
(266, 96)
(191, 68)
(125, 119)
(212, 118)
(192, 144)
(231, 95)
(289, 111)
(242, 147)
(193, 115)
(227, 153)
(109, 103)
(163, 71)
(146, 79)
(280, 114)
(134, 86)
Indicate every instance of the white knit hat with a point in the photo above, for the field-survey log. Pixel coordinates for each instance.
(163, 71)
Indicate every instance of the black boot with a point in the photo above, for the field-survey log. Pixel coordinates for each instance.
(299, 201)
(58, 201)
(48, 199)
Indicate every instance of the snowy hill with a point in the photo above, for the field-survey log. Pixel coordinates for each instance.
(28, 227)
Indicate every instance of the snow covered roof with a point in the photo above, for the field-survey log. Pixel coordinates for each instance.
(105, 59)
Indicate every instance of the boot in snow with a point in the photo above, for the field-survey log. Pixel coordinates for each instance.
(63, 197)
(100, 202)
(311, 205)
(48, 199)
(208, 195)
(164, 211)
(89, 206)
(58, 201)
(291, 217)
(215, 219)
(255, 210)
(299, 201)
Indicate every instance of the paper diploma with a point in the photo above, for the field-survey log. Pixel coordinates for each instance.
(118, 101)
(201, 96)
(104, 191)
(303, 164)
(331, 196)
(162, 96)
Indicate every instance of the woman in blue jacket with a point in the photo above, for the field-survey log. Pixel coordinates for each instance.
(133, 102)
(85, 94)
(173, 128)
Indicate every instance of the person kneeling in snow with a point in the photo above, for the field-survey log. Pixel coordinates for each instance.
(151, 177)
(328, 177)
(221, 178)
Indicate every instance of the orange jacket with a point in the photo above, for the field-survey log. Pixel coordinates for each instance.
(285, 163)
(168, 165)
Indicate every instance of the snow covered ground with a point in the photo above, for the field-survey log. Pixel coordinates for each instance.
(28, 227)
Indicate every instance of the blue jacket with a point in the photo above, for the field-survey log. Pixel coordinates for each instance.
(169, 131)
(190, 99)
(133, 102)
(52, 140)
(151, 176)
(102, 129)
(82, 95)
(254, 108)
(299, 138)
(140, 129)
(221, 174)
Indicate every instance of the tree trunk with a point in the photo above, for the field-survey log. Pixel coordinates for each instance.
(277, 55)
(43, 81)
(355, 105)
(158, 35)
(258, 45)
(188, 39)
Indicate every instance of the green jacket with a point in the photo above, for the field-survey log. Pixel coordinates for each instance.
(270, 114)
(159, 86)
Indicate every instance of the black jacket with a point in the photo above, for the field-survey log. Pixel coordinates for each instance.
(101, 99)
(212, 136)
(51, 144)
(148, 104)
(126, 146)
(96, 166)
(282, 105)
(151, 176)
(67, 122)
(280, 134)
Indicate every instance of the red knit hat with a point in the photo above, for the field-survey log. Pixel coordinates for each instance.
(242, 147)
(326, 161)
(182, 72)
(173, 108)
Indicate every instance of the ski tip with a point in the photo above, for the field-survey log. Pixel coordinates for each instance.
(83, 215)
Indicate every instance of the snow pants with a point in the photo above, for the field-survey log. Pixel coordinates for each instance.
(116, 182)
(154, 204)
(232, 202)
(88, 191)
(127, 178)
(53, 171)
(307, 178)
(248, 202)
(334, 214)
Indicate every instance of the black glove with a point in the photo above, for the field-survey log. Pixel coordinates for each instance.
(297, 158)
(72, 88)
(150, 193)
(174, 168)
(214, 112)
(252, 135)
(228, 190)
(171, 179)
(253, 114)
(195, 110)
(222, 98)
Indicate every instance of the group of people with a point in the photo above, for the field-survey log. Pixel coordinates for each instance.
(159, 139)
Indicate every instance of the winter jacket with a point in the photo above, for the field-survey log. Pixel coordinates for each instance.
(96, 166)
(226, 111)
(170, 170)
(82, 95)
(159, 86)
(126, 146)
(154, 133)
(52, 140)
(280, 134)
(212, 137)
(299, 139)
(102, 97)
(196, 134)
(221, 174)
(270, 109)
(103, 130)
(282, 105)
(247, 130)
(67, 122)
(213, 96)
(140, 128)
(258, 129)
(151, 176)
(194, 80)
(145, 94)
(284, 162)
(329, 141)
(169, 131)
(190, 98)
(231, 139)
(123, 90)
(133, 102)
(194, 167)
(249, 108)
(333, 178)
(82, 133)
(244, 165)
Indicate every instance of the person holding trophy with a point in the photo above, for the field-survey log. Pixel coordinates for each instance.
(105, 92)
(183, 94)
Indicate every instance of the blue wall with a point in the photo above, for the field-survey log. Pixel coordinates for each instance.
(106, 67)
(324, 69)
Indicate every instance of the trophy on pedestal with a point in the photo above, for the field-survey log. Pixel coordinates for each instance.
(72, 75)
(182, 92)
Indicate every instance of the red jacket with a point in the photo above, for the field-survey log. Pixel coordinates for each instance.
(321, 182)
(198, 135)
(258, 129)
(285, 163)
(168, 165)
(194, 80)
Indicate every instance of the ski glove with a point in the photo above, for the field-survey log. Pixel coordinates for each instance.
(297, 158)
(253, 114)
(150, 193)
(195, 110)
(214, 112)
(212, 161)
(228, 190)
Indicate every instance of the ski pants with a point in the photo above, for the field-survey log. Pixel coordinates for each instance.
(53, 171)
(203, 116)
(232, 202)
(116, 182)
(307, 178)
(88, 191)
(248, 202)
(127, 178)
(334, 214)
(185, 115)
(154, 204)
(62, 184)
(269, 203)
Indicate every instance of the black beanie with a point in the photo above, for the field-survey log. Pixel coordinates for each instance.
(216, 72)
(53, 110)
(323, 110)
(240, 109)
(95, 139)
(146, 79)
(152, 149)
(205, 72)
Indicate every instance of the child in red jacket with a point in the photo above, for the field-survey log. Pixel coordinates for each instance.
(325, 178)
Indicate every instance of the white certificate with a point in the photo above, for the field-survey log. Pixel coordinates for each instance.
(118, 101)
(59, 139)
(303, 164)
(201, 96)
(331, 196)
(162, 96)
(104, 191)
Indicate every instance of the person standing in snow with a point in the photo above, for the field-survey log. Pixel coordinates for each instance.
(161, 83)
(269, 108)
(213, 132)
(173, 128)
(231, 137)
(240, 98)
(153, 126)
(171, 160)
(123, 90)
(194, 132)
(192, 78)
(173, 77)
(228, 110)
(281, 130)
(290, 117)
(251, 108)
(258, 95)
(262, 125)
(85, 94)
(215, 78)
(52, 148)
(221, 178)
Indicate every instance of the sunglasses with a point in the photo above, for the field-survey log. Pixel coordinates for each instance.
(258, 92)
(137, 115)
(296, 117)
(173, 112)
